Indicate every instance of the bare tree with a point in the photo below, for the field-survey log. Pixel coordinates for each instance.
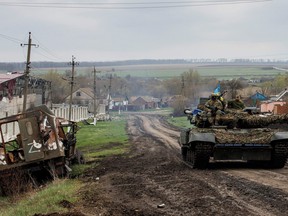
(191, 80)
(232, 86)
(59, 86)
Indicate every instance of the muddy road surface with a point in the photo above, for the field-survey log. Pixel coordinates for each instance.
(152, 180)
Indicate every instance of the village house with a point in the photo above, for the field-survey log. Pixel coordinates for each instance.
(82, 97)
(255, 100)
(85, 97)
(144, 102)
(169, 101)
(119, 104)
(277, 103)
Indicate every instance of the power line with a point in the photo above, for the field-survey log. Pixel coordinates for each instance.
(129, 3)
(46, 56)
(47, 50)
(135, 5)
(47, 53)
(15, 40)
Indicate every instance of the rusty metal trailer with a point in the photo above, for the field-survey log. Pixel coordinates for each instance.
(36, 141)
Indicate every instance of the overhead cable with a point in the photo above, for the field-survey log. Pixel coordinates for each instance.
(129, 5)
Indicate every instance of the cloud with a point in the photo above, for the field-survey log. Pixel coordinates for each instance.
(234, 30)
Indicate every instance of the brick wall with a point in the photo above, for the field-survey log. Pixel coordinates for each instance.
(278, 109)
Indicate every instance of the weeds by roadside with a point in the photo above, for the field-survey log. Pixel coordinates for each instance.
(45, 200)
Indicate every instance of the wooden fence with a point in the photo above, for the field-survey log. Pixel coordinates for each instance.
(11, 129)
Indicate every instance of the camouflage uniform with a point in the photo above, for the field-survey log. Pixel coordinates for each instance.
(236, 104)
(224, 102)
(213, 109)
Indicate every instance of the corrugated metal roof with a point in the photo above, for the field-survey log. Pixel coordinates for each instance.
(8, 76)
(258, 96)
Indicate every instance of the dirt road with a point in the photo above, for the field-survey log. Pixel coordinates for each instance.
(152, 180)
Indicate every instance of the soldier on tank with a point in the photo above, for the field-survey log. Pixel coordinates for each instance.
(236, 104)
(223, 100)
(213, 109)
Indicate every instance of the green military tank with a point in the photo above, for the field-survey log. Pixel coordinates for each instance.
(244, 135)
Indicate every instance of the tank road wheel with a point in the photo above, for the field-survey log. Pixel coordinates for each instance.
(198, 155)
(279, 155)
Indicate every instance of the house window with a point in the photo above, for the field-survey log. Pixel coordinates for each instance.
(78, 93)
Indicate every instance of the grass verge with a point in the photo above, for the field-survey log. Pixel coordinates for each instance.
(47, 200)
(104, 139)
(181, 122)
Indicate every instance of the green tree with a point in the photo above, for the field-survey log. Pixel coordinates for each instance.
(279, 83)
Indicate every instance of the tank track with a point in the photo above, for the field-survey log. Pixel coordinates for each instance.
(198, 154)
(279, 154)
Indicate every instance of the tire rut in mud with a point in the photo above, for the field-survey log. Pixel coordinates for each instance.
(152, 174)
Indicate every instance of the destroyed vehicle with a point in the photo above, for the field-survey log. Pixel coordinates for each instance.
(240, 136)
(37, 141)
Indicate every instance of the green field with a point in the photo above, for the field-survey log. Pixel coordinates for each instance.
(169, 71)
(105, 139)
(181, 122)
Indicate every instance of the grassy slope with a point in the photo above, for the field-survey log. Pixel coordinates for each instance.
(44, 201)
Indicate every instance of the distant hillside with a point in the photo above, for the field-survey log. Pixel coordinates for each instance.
(16, 66)
(20, 66)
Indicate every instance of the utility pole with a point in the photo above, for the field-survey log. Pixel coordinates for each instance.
(183, 87)
(94, 72)
(73, 63)
(27, 71)
(109, 92)
(126, 98)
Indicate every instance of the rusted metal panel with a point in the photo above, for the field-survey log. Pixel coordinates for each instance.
(31, 139)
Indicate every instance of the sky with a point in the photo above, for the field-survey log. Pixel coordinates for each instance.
(115, 30)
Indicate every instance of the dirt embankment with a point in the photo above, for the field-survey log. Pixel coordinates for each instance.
(152, 180)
